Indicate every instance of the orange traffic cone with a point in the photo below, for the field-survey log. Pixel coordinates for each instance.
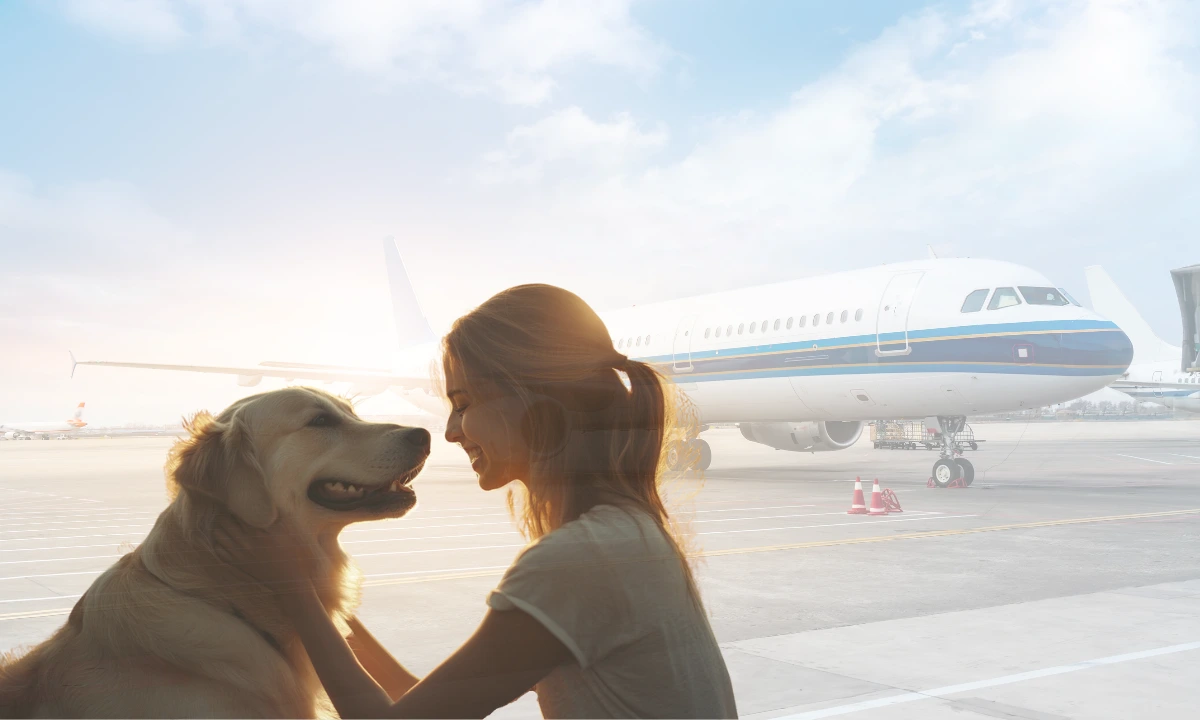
(877, 506)
(858, 506)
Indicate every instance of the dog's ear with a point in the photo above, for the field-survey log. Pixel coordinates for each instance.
(217, 460)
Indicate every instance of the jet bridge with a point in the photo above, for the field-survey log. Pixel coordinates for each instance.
(1187, 287)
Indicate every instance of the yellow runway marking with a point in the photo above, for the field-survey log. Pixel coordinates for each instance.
(743, 551)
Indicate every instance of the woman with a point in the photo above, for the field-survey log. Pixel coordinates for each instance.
(600, 613)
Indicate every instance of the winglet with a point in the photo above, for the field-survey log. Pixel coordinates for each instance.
(74, 363)
(411, 326)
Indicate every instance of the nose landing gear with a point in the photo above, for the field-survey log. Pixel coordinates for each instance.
(952, 465)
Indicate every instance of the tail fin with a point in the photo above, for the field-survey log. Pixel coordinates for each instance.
(411, 326)
(1109, 301)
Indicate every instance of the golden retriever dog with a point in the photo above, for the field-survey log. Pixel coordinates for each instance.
(172, 631)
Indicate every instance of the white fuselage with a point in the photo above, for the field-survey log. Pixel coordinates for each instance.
(884, 342)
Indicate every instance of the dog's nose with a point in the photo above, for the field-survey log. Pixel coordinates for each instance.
(418, 437)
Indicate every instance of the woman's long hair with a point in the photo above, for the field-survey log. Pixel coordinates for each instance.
(597, 424)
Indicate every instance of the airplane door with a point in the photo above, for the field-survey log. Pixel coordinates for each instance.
(893, 314)
(1157, 378)
(681, 348)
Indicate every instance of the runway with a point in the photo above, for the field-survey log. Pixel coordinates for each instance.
(1064, 583)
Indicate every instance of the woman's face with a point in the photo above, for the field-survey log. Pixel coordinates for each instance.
(489, 431)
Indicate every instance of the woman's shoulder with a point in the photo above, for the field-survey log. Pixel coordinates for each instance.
(604, 530)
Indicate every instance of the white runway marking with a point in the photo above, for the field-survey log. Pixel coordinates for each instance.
(993, 682)
(46, 494)
(114, 556)
(381, 540)
(854, 522)
(1135, 457)
(1190, 457)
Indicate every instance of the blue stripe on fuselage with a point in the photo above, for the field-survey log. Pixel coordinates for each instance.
(1076, 348)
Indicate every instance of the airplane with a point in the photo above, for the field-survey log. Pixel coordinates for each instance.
(26, 430)
(802, 365)
(1156, 374)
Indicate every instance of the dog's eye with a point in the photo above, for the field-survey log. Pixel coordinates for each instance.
(323, 420)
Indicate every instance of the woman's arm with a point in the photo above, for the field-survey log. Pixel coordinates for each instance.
(353, 691)
(504, 659)
(393, 677)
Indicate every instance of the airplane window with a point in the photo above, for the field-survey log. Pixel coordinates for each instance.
(706, 332)
(639, 341)
(858, 315)
(1067, 295)
(752, 327)
(647, 339)
(829, 319)
(816, 319)
(777, 325)
(1043, 296)
(621, 343)
(789, 324)
(763, 326)
(974, 301)
(1004, 297)
(803, 320)
(741, 327)
(845, 315)
(718, 332)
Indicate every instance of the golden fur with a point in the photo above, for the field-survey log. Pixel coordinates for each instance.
(172, 631)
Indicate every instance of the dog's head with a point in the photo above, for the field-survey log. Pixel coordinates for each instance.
(300, 452)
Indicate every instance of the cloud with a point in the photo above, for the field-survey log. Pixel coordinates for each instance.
(573, 144)
(1011, 129)
(150, 22)
(513, 50)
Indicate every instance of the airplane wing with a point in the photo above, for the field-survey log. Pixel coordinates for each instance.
(250, 376)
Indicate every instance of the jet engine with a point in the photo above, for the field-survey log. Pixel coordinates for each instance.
(820, 436)
(249, 380)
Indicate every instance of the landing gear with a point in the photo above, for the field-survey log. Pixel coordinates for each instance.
(705, 458)
(699, 454)
(946, 471)
(968, 470)
(952, 465)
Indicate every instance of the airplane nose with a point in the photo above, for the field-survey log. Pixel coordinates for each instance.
(1123, 350)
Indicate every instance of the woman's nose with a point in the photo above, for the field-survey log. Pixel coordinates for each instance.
(453, 430)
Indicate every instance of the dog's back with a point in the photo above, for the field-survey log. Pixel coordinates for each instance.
(136, 647)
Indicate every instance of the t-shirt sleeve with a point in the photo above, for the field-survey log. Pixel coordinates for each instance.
(577, 589)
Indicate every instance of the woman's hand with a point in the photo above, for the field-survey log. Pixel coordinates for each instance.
(280, 557)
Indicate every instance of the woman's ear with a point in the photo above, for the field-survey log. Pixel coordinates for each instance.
(544, 428)
(217, 460)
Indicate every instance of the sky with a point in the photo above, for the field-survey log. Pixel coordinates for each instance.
(208, 181)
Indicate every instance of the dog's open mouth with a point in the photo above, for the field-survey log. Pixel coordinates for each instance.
(341, 495)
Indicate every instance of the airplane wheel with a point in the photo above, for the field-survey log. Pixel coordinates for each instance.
(946, 471)
(705, 458)
(968, 471)
(974, 446)
(673, 458)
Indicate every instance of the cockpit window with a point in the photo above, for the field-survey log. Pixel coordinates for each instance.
(974, 301)
(1043, 296)
(1067, 295)
(1004, 297)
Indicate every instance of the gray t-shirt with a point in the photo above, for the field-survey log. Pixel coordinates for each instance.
(611, 588)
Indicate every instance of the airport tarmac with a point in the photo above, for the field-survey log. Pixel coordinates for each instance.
(1065, 583)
